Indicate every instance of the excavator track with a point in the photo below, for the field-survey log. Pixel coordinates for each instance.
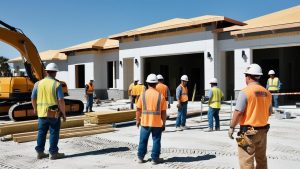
(24, 111)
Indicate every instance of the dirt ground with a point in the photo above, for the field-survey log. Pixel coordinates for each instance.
(190, 149)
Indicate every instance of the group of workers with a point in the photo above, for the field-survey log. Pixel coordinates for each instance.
(252, 111)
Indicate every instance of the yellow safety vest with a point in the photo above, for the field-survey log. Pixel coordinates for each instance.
(273, 84)
(215, 101)
(46, 95)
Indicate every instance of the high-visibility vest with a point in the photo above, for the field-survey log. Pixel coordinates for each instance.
(215, 101)
(184, 94)
(90, 89)
(163, 89)
(273, 84)
(151, 109)
(137, 90)
(257, 110)
(46, 95)
(130, 86)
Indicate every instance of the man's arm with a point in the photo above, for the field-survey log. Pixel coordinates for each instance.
(138, 113)
(178, 94)
(61, 102)
(34, 98)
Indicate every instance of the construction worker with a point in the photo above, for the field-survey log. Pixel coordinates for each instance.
(151, 116)
(215, 96)
(89, 95)
(163, 89)
(182, 99)
(252, 111)
(274, 85)
(137, 90)
(48, 103)
(132, 98)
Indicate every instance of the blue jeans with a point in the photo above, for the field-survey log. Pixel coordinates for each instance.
(213, 113)
(144, 136)
(181, 115)
(89, 103)
(45, 124)
(275, 100)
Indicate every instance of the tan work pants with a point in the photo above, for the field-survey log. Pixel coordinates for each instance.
(259, 144)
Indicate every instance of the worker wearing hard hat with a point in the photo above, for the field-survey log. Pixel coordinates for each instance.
(89, 95)
(215, 96)
(151, 116)
(137, 90)
(49, 105)
(252, 111)
(132, 98)
(163, 89)
(182, 102)
(274, 85)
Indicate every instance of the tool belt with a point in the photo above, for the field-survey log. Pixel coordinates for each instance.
(245, 137)
(53, 112)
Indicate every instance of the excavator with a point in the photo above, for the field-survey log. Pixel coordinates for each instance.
(15, 92)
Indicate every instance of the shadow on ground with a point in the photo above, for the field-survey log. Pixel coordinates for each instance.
(189, 159)
(99, 152)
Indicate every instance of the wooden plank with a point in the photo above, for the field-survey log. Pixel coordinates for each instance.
(28, 127)
(65, 135)
(65, 130)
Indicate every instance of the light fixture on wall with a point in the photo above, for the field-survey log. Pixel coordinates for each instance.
(136, 61)
(244, 56)
(121, 62)
(209, 56)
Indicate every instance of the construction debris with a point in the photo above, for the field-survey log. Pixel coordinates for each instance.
(110, 117)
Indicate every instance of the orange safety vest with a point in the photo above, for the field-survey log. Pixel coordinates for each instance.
(90, 89)
(184, 94)
(163, 89)
(151, 109)
(257, 110)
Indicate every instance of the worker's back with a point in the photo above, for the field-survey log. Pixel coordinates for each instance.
(163, 89)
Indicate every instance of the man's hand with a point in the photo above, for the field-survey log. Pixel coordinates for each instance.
(179, 106)
(230, 132)
(163, 127)
(138, 124)
(64, 118)
(169, 106)
(35, 111)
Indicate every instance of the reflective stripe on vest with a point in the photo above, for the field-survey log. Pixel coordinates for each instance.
(90, 89)
(273, 84)
(215, 101)
(151, 118)
(46, 95)
(257, 110)
(184, 94)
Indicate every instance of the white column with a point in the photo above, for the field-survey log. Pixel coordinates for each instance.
(114, 74)
(209, 72)
(138, 68)
(242, 59)
(121, 81)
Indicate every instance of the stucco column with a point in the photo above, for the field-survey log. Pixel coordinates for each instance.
(138, 68)
(242, 59)
(209, 68)
(121, 78)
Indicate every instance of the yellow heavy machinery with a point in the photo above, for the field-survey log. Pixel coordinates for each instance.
(15, 92)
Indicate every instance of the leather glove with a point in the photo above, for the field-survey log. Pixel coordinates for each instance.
(179, 106)
(163, 128)
(64, 118)
(230, 132)
(169, 106)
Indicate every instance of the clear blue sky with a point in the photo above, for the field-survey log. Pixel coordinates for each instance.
(56, 24)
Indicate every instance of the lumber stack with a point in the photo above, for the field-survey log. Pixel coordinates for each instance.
(110, 117)
(29, 126)
(66, 133)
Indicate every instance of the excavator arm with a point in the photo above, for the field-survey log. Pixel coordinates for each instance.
(16, 38)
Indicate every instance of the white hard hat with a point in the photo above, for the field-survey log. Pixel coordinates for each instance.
(271, 72)
(184, 78)
(140, 82)
(160, 77)
(52, 67)
(152, 78)
(213, 80)
(254, 69)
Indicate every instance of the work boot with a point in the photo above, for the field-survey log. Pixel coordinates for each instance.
(141, 160)
(56, 156)
(41, 155)
(92, 111)
(178, 129)
(209, 130)
(217, 129)
(157, 161)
